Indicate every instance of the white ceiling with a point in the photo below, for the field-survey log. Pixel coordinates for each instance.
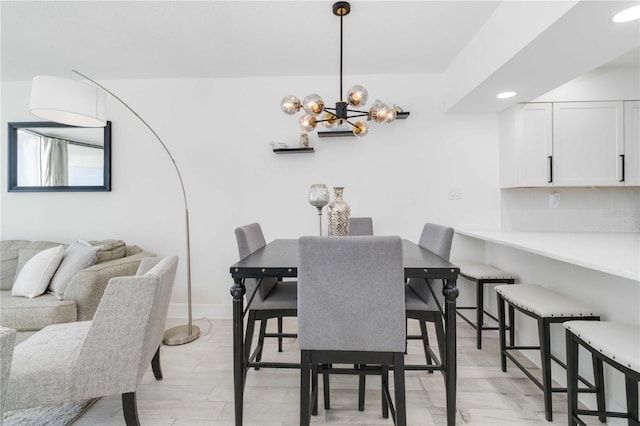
(192, 39)
(547, 44)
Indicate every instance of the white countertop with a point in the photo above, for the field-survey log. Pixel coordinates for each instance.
(614, 253)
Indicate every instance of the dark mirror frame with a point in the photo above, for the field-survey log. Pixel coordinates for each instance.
(13, 161)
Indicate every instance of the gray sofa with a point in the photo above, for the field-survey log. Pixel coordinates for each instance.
(83, 292)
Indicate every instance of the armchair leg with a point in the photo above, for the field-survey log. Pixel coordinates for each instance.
(155, 365)
(130, 408)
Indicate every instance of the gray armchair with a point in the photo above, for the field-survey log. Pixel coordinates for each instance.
(105, 356)
(7, 340)
(268, 299)
(342, 283)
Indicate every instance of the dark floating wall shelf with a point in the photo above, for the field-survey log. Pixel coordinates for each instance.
(293, 150)
(342, 133)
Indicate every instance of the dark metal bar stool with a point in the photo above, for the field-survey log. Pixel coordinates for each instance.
(614, 343)
(482, 274)
(546, 307)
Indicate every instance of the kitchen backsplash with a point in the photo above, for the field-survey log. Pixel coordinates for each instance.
(570, 209)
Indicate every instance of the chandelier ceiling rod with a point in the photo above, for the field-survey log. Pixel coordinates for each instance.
(341, 92)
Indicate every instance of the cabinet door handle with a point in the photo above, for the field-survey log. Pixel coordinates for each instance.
(622, 160)
(550, 157)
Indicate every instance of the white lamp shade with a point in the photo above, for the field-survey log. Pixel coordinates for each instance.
(68, 102)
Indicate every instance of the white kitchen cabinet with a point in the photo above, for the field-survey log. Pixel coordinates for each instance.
(631, 143)
(534, 144)
(526, 145)
(570, 144)
(588, 143)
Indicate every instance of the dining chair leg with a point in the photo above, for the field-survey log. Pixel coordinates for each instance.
(314, 389)
(305, 394)
(425, 343)
(362, 384)
(263, 330)
(280, 327)
(384, 379)
(398, 381)
(248, 339)
(440, 336)
(325, 388)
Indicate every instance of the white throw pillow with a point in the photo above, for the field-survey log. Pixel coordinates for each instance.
(77, 256)
(34, 277)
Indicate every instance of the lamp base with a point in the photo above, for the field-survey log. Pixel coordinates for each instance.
(180, 335)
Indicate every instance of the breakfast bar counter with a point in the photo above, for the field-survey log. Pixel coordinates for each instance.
(615, 253)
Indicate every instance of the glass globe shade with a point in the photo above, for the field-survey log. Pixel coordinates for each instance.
(360, 129)
(290, 104)
(376, 111)
(308, 122)
(330, 121)
(390, 114)
(382, 113)
(357, 96)
(313, 104)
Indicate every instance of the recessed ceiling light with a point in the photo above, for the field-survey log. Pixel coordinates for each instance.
(627, 15)
(506, 95)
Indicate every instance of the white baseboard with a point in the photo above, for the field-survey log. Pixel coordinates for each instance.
(180, 310)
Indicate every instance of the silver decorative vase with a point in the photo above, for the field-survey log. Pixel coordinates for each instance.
(339, 213)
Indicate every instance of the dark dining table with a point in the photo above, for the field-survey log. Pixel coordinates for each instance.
(279, 258)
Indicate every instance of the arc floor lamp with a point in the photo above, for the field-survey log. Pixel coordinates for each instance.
(78, 103)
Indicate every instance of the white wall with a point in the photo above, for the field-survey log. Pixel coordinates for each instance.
(219, 131)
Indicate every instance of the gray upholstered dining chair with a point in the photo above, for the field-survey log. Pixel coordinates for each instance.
(360, 226)
(342, 282)
(105, 356)
(269, 299)
(424, 301)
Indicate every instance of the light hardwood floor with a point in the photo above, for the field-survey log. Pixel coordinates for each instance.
(198, 389)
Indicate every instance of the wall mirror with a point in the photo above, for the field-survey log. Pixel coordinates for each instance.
(46, 156)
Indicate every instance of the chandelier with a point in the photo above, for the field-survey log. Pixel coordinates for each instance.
(357, 97)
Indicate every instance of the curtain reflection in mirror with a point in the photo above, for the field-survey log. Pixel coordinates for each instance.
(54, 157)
(49, 161)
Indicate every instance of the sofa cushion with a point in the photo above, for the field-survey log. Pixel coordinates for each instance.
(110, 249)
(34, 277)
(9, 261)
(77, 256)
(9, 256)
(25, 314)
